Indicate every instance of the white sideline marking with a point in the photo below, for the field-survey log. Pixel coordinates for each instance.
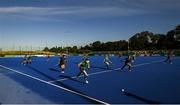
(101, 72)
(60, 87)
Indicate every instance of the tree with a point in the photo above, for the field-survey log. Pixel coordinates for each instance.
(177, 33)
(162, 42)
(73, 49)
(141, 41)
(53, 49)
(46, 49)
(173, 38)
(177, 37)
(170, 39)
(96, 46)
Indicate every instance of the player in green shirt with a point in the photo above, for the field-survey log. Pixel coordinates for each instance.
(83, 67)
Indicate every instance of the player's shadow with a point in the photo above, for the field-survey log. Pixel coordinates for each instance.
(53, 69)
(147, 101)
(71, 78)
(65, 76)
(39, 72)
(104, 68)
(59, 83)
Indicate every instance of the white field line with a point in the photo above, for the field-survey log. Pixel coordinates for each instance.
(57, 86)
(102, 72)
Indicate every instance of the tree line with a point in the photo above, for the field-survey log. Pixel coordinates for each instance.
(140, 41)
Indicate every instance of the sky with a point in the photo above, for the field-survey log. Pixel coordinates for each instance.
(40, 23)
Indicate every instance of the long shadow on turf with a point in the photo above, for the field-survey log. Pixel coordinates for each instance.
(63, 76)
(67, 77)
(104, 68)
(59, 83)
(41, 73)
(147, 101)
(53, 69)
(70, 78)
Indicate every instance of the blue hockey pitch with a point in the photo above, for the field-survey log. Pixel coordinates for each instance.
(150, 81)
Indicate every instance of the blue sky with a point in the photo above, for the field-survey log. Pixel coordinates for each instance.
(39, 23)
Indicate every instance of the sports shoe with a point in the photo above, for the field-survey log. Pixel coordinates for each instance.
(62, 71)
(86, 81)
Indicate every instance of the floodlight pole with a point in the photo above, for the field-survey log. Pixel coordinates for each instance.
(46, 44)
(31, 50)
(1, 50)
(13, 47)
(20, 50)
(128, 46)
(31, 47)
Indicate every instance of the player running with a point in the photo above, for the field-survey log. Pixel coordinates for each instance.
(61, 63)
(24, 60)
(29, 59)
(119, 55)
(83, 65)
(107, 61)
(133, 58)
(127, 63)
(48, 58)
(169, 57)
